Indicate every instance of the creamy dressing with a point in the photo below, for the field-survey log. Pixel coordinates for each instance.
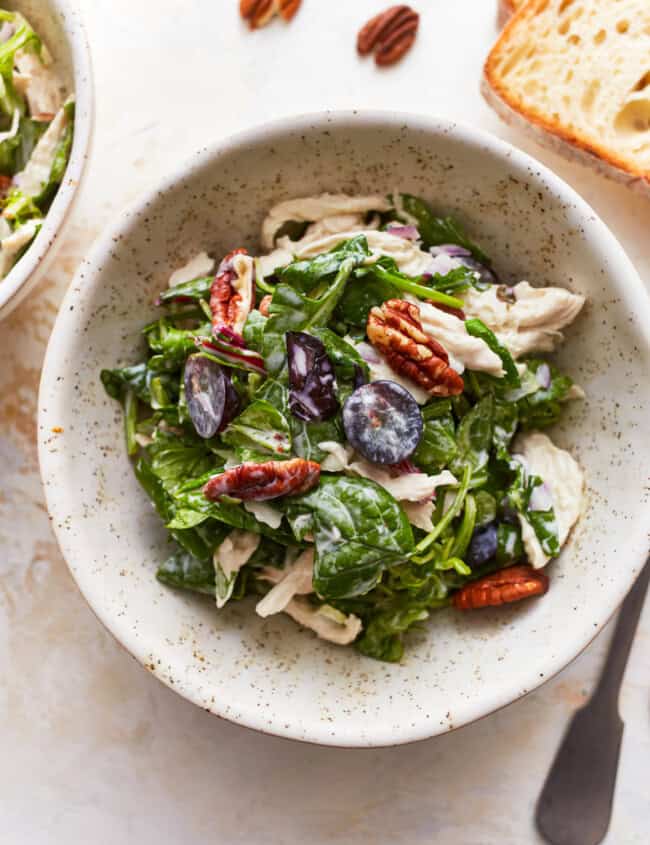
(532, 323)
(564, 479)
(200, 265)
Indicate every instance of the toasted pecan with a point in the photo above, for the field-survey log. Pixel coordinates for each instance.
(231, 297)
(264, 305)
(395, 330)
(288, 8)
(392, 32)
(257, 12)
(268, 480)
(503, 587)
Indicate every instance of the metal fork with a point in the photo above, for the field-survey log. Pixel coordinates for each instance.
(575, 805)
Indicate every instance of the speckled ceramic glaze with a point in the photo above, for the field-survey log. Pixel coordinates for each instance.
(60, 27)
(269, 674)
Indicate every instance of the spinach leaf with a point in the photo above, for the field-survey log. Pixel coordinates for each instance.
(486, 508)
(253, 332)
(506, 420)
(290, 310)
(192, 509)
(543, 407)
(385, 271)
(200, 541)
(477, 328)
(437, 448)
(175, 459)
(308, 435)
(260, 427)
(305, 276)
(15, 152)
(192, 291)
(172, 345)
(382, 637)
(509, 546)
(474, 438)
(184, 571)
(543, 522)
(366, 293)
(359, 530)
(437, 230)
(159, 390)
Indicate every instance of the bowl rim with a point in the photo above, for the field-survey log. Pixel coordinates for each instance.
(13, 285)
(638, 542)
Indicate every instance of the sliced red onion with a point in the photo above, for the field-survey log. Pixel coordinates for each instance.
(442, 264)
(232, 356)
(409, 233)
(543, 376)
(448, 257)
(541, 499)
(453, 250)
(228, 335)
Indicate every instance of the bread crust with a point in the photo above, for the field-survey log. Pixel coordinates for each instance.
(546, 131)
(505, 10)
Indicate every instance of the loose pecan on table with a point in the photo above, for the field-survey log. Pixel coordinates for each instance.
(391, 32)
(259, 12)
(269, 480)
(232, 293)
(395, 330)
(502, 587)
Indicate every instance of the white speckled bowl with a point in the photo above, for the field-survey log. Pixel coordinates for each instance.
(269, 674)
(59, 25)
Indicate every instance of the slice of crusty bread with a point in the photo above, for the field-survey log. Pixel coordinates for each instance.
(507, 8)
(576, 75)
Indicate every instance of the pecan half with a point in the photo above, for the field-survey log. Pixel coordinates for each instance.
(264, 305)
(502, 587)
(233, 291)
(259, 12)
(288, 8)
(395, 330)
(392, 32)
(269, 480)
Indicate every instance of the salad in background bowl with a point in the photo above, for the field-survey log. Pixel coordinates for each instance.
(270, 672)
(45, 122)
(349, 427)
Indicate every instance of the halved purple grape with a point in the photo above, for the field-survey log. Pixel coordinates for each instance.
(311, 378)
(382, 421)
(483, 545)
(207, 392)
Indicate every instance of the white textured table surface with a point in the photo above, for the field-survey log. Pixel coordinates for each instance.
(93, 748)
